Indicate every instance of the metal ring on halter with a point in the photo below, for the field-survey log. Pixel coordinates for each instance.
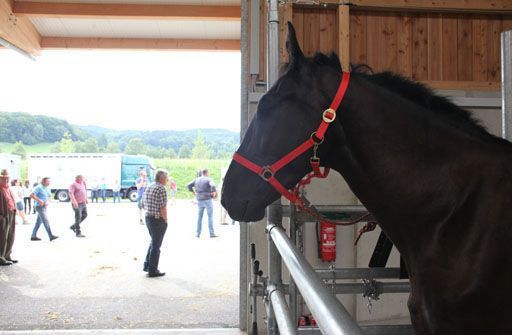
(315, 139)
(266, 173)
(326, 118)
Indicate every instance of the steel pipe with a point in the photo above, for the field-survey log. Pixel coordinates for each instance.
(359, 273)
(368, 330)
(329, 313)
(359, 288)
(284, 319)
(506, 84)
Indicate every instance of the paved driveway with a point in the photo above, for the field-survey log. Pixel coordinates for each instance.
(97, 282)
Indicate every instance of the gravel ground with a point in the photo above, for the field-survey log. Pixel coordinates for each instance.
(97, 282)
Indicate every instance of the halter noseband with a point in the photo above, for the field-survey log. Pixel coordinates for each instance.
(268, 172)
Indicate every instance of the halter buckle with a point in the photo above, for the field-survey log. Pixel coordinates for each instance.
(315, 139)
(329, 115)
(266, 173)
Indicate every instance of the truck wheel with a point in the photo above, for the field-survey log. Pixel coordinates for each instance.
(132, 195)
(63, 196)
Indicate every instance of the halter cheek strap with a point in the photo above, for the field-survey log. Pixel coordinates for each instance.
(268, 172)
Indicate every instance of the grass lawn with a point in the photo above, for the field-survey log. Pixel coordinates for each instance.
(185, 170)
(6, 148)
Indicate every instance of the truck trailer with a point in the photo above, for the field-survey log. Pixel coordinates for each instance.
(12, 164)
(97, 169)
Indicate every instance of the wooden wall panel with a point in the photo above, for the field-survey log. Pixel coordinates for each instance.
(494, 49)
(435, 47)
(420, 48)
(404, 44)
(465, 49)
(449, 47)
(358, 36)
(327, 30)
(480, 48)
(374, 42)
(311, 30)
(389, 42)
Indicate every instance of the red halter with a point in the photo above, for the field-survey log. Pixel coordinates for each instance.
(268, 172)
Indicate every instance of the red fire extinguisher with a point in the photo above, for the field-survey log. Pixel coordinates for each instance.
(326, 242)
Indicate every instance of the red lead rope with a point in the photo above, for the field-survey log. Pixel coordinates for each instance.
(268, 172)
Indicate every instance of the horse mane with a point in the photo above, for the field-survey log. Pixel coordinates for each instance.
(415, 92)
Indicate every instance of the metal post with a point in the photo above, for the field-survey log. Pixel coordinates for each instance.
(281, 310)
(273, 43)
(506, 84)
(244, 124)
(329, 313)
(274, 218)
(255, 37)
(292, 287)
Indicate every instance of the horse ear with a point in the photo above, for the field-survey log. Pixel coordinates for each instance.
(292, 46)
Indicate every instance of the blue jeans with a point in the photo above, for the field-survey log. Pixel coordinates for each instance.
(42, 218)
(116, 195)
(156, 228)
(201, 205)
(103, 195)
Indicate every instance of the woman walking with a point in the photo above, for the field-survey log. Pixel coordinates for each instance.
(27, 200)
(17, 193)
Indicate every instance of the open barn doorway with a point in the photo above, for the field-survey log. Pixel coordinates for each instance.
(181, 111)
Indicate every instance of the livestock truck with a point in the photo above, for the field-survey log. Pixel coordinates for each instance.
(96, 168)
(12, 164)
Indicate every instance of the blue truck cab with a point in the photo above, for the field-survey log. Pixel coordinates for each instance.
(131, 165)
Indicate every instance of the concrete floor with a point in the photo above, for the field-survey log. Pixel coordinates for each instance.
(97, 282)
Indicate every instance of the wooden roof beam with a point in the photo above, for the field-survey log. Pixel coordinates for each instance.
(455, 6)
(18, 31)
(126, 11)
(139, 44)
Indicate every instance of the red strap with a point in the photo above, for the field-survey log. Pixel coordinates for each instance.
(247, 163)
(281, 189)
(292, 155)
(342, 89)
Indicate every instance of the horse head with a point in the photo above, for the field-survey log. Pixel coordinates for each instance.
(287, 115)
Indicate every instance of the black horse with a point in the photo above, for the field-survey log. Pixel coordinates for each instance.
(438, 183)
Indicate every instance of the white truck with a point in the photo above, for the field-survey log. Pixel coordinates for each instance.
(12, 164)
(97, 168)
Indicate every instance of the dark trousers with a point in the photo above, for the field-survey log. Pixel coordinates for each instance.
(94, 195)
(156, 228)
(7, 225)
(80, 215)
(28, 205)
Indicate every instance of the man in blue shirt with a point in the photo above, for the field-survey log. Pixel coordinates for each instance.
(41, 195)
(204, 189)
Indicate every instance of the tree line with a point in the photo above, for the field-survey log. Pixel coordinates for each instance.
(66, 138)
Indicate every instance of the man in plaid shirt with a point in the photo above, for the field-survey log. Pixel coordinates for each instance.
(155, 204)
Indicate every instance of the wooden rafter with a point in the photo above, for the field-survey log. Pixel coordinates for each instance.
(460, 6)
(18, 31)
(139, 44)
(126, 11)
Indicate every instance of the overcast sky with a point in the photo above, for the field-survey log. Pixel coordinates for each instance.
(125, 89)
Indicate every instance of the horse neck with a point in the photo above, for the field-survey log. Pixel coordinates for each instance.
(397, 161)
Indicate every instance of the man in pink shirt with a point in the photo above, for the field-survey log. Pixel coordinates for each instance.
(78, 195)
(7, 220)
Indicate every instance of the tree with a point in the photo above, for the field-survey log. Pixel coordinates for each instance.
(55, 148)
(200, 150)
(103, 141)
(66, 143)
(90, 145)
(184, 151)
(135, 146)
(172, 153)
(19, 149)
(112, 148)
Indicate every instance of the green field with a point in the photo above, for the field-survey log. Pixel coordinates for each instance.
(6, 148)
(184, 171)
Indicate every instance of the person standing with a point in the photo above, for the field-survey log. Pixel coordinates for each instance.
(78, 195)
(94, 192)
(204, 190)
(142, 184)
(155, 204)
(42, 196)
(26, 197)
(116, 192)
(17, 193)
(173, 189)
(103, 190)
(7, 220)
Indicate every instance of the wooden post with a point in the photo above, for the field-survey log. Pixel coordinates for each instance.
(344, 36)
(285, 15)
